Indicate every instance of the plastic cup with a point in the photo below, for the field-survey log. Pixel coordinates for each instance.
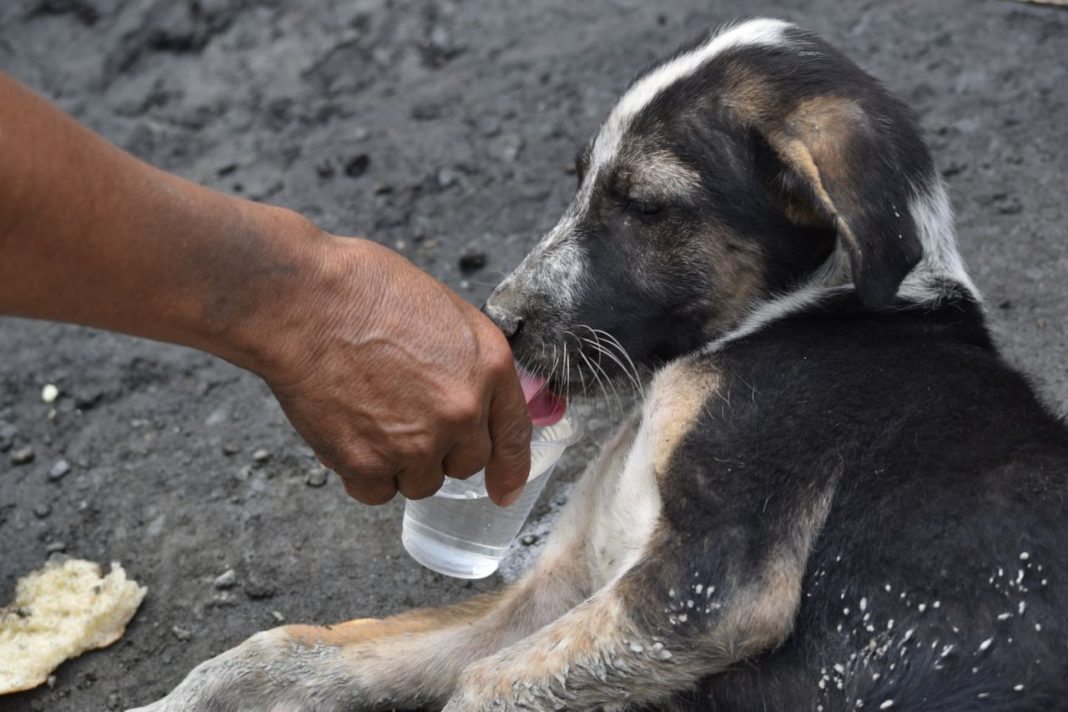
(460, 532)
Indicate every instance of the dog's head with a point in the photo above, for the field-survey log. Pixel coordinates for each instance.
(750, 163)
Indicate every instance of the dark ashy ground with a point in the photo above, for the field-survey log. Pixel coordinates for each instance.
(438, 127)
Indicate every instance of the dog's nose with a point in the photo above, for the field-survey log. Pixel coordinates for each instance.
(510, 324)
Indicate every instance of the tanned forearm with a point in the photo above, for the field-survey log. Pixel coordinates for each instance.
(91, 235)
(389, 375)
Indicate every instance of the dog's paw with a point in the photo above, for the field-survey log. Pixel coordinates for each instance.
(269, 672)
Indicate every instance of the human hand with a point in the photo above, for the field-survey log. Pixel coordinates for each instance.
(392, 378)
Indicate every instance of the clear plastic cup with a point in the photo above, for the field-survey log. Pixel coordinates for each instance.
(460, 532)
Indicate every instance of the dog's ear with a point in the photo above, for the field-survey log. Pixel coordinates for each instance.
(844, 165)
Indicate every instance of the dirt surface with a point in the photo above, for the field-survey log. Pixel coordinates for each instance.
(442, 129)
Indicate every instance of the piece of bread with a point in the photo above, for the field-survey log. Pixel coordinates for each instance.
(61, 611)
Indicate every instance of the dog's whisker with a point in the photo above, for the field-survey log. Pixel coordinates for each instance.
(608, 381)
(633, 372)
(602, 385)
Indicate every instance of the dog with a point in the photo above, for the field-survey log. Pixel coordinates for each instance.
(835, 495)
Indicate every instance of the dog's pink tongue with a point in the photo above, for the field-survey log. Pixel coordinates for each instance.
(544, 406)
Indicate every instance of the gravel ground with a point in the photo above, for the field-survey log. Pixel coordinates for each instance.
(446, 130)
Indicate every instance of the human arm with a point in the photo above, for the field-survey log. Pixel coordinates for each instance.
(390, 376)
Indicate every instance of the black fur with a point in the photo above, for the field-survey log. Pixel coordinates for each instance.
(946, 470)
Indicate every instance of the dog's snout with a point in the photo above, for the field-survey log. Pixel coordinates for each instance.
(508, 322)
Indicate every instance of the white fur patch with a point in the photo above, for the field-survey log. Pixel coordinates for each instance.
(941, 260)
(754, 32)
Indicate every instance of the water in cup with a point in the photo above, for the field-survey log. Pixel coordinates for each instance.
(460, 532)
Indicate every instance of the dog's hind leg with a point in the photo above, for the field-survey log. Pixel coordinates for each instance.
(414, 659)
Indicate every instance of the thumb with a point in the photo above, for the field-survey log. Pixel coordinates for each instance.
(509, 429)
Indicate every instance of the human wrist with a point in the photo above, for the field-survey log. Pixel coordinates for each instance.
(274, 291)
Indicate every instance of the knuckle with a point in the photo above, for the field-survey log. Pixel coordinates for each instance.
(462, 411)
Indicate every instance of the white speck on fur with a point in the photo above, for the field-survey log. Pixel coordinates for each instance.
(985, 644)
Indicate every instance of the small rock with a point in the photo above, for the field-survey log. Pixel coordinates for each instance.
(447, 177)
(257, 590)
(23, 455)
(182, 634)
(42, 510)
(472, 261)
(325, 168)
(217, 417)
(88, 398)
(510, 146)
(55, 547)
(261, 455)
(243, 473)
(226, 579)
(357, 165)
(316, 478)
(229, 449)
(114, 702)
(49, 393)
(529, 540)
(59, 470)
(277, 616)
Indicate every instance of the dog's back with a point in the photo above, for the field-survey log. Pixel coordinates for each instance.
(933, 584)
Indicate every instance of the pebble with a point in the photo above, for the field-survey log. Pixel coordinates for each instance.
(277, 616)
(357, 165)
(55, 547)
(49, 393)
(114, 701)
(324, 168)
(257, 590)
(59, 470)
(316, 478)
(23, 455)
(42, 510)
(447, 177)
(181, 633)
(261, 455)
(472, 261)
(226, 579)
(529, 540)
(88, 398)
(228, 449)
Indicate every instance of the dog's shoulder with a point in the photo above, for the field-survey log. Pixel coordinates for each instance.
(837, 381)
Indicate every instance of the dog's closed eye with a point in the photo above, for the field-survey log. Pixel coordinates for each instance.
(642, 206)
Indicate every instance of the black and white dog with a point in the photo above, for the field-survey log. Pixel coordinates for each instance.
(836, 494)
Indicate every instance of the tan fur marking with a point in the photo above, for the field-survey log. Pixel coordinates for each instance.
(762, 614)
(808, 138)
(740, 278)
(678, 396)
(364, 630)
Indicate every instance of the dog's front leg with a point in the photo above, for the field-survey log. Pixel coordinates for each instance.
(634, 643)
(414, 659)
(694, 604)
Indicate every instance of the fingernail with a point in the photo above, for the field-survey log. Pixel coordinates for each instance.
(509, 499)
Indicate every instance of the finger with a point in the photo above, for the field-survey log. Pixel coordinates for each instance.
(369, 491)
(469, 457)
(422, 482)
(509, 428)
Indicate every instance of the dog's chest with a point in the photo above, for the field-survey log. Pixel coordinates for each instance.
(626, 495)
